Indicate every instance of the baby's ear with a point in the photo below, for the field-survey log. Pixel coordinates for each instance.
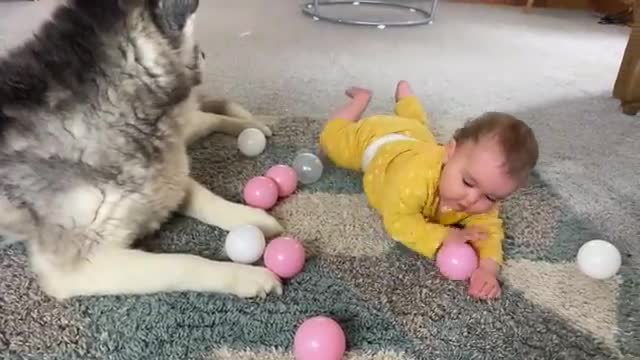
(449, 150)
(521, 182)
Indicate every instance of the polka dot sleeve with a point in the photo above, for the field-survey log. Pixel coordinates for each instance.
(409, 189)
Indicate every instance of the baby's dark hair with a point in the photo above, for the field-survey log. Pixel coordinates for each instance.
(513, 136)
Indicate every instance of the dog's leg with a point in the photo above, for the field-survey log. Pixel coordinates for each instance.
(224, 107)
(229, 118)
(202, 124)
(203, 205)
(115, 270)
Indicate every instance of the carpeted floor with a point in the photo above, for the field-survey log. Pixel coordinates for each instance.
(553, 68)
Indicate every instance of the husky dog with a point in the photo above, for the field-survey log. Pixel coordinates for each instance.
(96, 113)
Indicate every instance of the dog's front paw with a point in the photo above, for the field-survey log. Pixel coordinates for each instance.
(257, 124)
(254, 281)
(265, 222)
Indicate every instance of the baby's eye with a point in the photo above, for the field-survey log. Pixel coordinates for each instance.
(466, 183)
(490, 199)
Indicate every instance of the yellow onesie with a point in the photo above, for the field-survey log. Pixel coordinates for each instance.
(401, 177)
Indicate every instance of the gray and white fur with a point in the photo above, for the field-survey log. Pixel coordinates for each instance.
(96, 113)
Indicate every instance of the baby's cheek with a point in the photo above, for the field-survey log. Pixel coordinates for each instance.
(445, 191)
(447, 187)
(482, 206)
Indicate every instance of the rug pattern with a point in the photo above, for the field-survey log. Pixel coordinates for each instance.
(392, 304)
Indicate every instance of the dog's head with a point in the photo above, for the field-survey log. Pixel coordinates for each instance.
(175, 19)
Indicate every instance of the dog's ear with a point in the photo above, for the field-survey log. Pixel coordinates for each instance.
(172, 15)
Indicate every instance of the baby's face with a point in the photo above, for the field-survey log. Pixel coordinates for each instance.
(474, 178)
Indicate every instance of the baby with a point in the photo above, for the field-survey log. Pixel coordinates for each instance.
(430, 194)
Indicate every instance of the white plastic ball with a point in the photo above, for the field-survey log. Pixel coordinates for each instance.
(599, 259)
(245, 244)
(251, 142)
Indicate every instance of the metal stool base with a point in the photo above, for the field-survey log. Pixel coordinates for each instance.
(312, 9)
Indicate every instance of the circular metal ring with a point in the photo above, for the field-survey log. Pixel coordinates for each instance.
(312, 9)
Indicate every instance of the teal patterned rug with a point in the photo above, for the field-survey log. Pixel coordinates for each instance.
(391, 303)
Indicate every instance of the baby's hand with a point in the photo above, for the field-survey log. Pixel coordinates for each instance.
(484, 281)
(468, 234)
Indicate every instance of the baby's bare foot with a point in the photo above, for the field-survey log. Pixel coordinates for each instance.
(355, 91)
(403, 89)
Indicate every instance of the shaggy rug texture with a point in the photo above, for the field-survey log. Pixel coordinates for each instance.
(391, 303)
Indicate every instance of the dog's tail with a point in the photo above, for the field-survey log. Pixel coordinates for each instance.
(224, 107)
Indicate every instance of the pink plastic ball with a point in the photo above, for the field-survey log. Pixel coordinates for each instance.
(457, 261)
(319, 338)
(284, 256)
(261, 192)
(285, 177)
